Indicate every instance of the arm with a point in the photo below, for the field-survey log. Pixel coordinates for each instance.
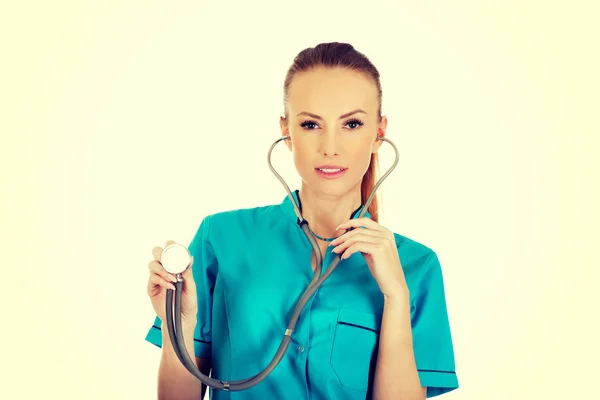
(396, 375)
(174, 381)
(402, 343)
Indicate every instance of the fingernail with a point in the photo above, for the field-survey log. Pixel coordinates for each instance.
(172, 286)
(172, 278)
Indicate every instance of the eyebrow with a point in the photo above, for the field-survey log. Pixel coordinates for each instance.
(341, 116)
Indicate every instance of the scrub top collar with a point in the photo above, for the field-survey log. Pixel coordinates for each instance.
(288, 208)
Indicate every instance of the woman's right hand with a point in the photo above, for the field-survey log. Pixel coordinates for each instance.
(160, 280)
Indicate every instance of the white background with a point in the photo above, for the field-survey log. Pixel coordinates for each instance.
(124, 123)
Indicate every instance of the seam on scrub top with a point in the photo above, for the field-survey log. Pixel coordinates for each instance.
(224, 298)
(436, 370)
(227, 322)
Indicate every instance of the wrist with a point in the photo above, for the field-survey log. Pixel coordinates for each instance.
(400, 296)
(187, 324)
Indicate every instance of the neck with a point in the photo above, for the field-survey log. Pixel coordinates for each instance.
(324, 212)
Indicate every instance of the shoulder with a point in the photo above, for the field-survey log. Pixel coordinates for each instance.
(241, 220)
(419, 261)
(246, 215)
(413, 250)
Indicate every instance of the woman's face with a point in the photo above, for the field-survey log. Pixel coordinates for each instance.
(332, 149)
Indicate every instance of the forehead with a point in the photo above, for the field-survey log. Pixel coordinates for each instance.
(332, 90)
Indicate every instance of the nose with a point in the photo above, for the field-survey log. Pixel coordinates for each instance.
(330, 145)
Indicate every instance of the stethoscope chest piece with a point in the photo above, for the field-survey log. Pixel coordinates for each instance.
(175, 258)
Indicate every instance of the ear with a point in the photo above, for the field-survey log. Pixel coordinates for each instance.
(285, 131)
(381, 129)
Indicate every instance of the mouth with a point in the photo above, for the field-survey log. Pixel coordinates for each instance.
(330, 171)
(330, 168)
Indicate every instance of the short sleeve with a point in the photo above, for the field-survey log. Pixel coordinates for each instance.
(432, 338)
(204, 272)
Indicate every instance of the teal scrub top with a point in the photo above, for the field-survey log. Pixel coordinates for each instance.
(250, 268)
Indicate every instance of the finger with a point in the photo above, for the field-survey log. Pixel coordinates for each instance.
(368, 248)
(157, 253)
(360, 222)
(364, 238)
(156, 268)
(156, 280)
(346, 236)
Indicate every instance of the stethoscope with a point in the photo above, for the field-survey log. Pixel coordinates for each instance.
(176, 258)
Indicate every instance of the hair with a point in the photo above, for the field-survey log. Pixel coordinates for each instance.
(341, 55)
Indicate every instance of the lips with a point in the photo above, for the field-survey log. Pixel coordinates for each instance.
(330, 169)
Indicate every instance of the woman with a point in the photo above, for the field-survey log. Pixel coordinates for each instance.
(377, 327)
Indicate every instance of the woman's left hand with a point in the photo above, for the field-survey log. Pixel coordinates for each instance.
(378, 246)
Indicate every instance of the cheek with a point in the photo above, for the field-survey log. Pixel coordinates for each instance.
(302, 158)
(361, 158)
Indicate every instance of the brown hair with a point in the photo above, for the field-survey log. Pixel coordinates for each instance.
(343, 55)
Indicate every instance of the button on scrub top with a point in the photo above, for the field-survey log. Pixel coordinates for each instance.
(251, 267)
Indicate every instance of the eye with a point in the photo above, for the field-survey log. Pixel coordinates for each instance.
(309, 124)
(355, 122)
(305, 124)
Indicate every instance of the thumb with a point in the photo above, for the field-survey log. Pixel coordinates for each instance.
(188, 273)
(189, 285)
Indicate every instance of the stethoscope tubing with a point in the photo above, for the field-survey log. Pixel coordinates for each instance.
(175, 326)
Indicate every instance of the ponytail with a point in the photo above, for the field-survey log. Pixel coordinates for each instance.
(368, 183)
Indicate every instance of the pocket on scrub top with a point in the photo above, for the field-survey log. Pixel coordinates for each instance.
(354, 348)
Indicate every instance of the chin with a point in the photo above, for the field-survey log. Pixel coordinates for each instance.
(334, 187)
